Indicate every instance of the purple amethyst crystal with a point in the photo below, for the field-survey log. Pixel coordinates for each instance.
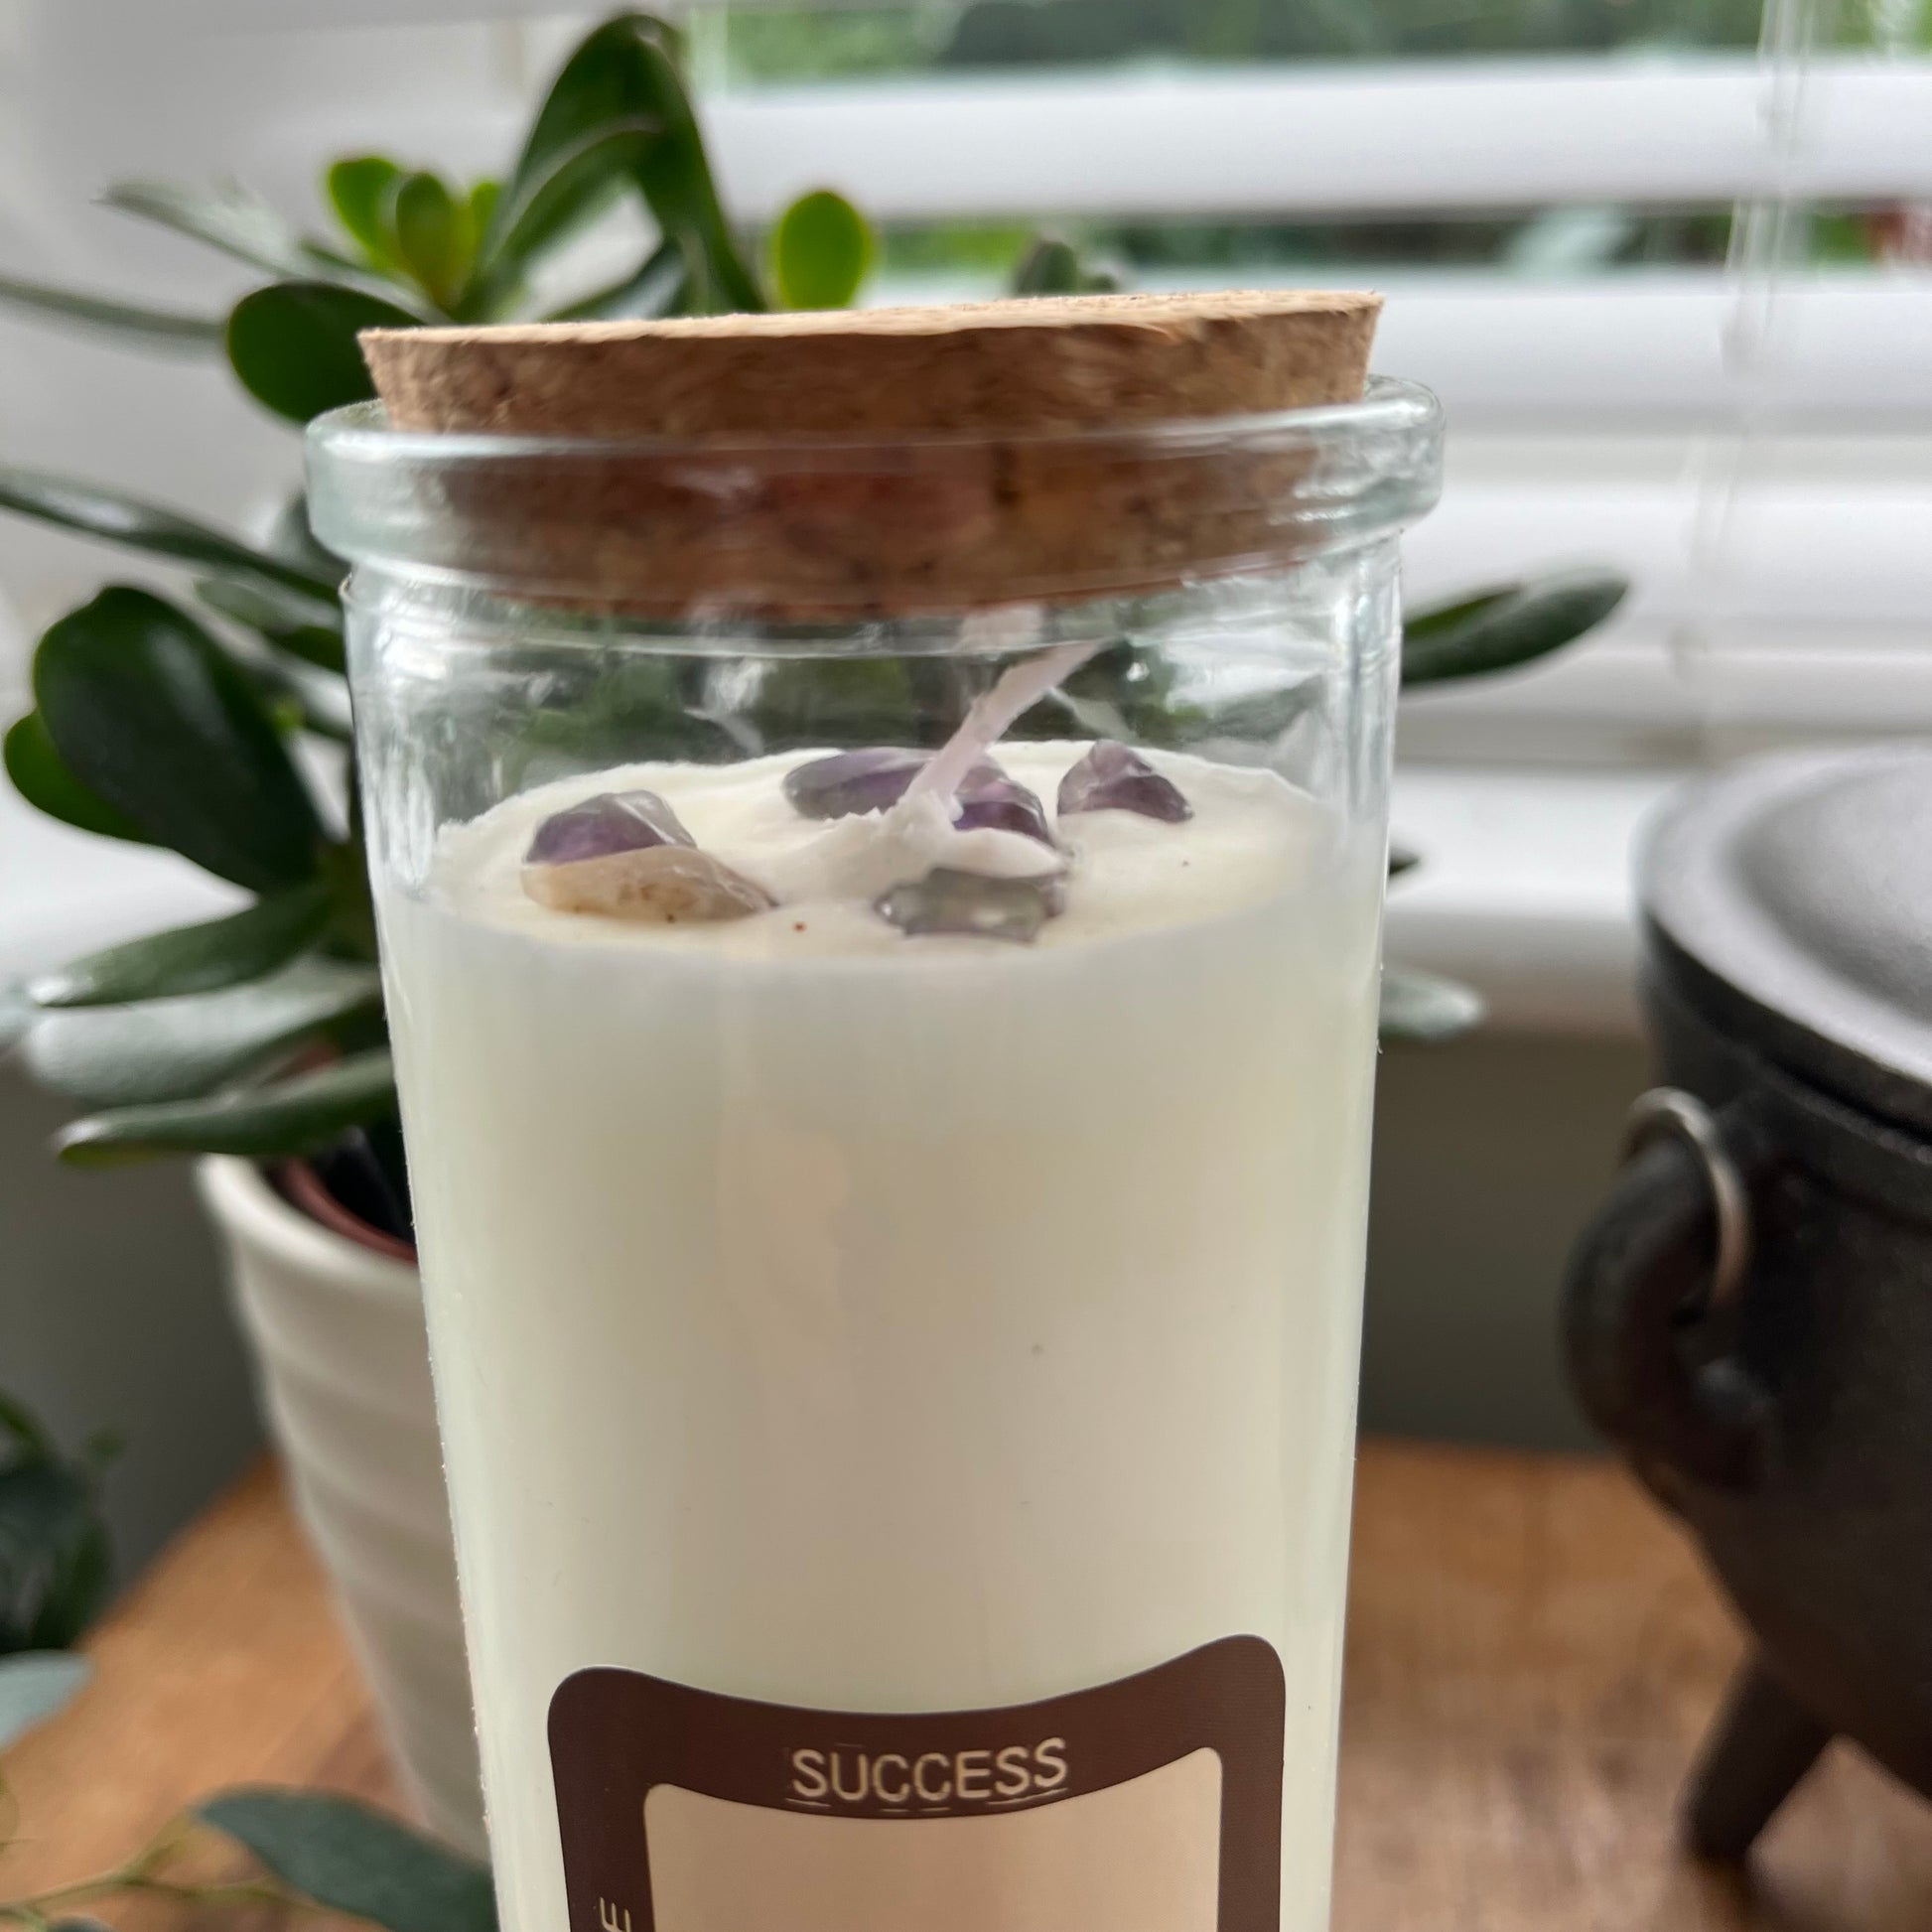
(971, 904)
(997, 805)
(865, 781)
(623, 855)
(611, 822)
(853, 781)
(1115, 777)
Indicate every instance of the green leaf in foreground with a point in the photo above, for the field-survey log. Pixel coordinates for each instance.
(267, 1123)
(1419, 1008)
(347, 1857)
(37, 774)
(179, 1049)
(293, 345)
(245, 946)
(114, 517)
(33, 1685)
(168, 330)
(152, 716)
(1502, 629)
(821, 251)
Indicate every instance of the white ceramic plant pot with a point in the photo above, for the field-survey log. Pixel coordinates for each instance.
(342, 1369)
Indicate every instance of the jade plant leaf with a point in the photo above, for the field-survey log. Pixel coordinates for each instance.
(626, 71)
(597, 89)
(432, 235)
(483, 198)
(293, 539)
(652, 290)
(292, 1117)
(1502, 629)
(293, 345)
(245, 946)
(56, 1563)
(227, 218)
(168, 330)
(347, 1857)
(34, 1686)
(34, 766)
(360, 189)
(1053, 266)
(1419, 1008)
(149, 713)
(675, 171)
(298, 695)
(542, 207)
(117, 518)
(821, 252)
(176, 1048)
(271, 620)
(839, 701)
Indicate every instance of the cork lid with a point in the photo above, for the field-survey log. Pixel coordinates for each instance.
(1019, 368)
(883, 460)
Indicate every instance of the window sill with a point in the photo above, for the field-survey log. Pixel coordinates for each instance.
(1525, 890)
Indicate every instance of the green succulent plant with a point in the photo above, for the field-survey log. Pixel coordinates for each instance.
(188, 722)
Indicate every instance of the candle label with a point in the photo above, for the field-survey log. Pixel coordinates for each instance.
(1149, 1805)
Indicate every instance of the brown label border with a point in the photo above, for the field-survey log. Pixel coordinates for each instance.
(617, 1734)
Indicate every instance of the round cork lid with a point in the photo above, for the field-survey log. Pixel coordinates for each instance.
(938, 457)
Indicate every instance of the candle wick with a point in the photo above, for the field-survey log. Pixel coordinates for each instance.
(991, 715)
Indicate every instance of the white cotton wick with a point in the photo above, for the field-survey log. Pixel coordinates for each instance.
(992, 715)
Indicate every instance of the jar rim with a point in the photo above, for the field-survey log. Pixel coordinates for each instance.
(838, 525)
(1389, 407)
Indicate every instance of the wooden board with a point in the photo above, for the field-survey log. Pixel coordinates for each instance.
(1533, 1655)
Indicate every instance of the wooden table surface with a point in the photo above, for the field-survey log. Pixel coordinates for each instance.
(1533, 1653)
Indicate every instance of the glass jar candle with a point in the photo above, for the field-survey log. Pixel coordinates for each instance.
(887, 1082)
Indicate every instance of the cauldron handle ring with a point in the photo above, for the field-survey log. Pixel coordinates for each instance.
(1671, 1243)
(1666, 1113)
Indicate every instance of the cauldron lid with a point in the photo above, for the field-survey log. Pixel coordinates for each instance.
(1790, 902)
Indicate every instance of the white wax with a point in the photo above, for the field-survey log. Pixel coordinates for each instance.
(872, 1322)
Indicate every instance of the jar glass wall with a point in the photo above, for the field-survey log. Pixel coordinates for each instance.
(875, 1292)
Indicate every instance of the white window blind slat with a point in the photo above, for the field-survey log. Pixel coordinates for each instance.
(1845, 352)
(1856, 556)
(1360, 137)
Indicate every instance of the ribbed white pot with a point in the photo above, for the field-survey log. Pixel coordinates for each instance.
(342, 1369)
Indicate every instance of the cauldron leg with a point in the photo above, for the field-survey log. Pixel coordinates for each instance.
(1760, 1746)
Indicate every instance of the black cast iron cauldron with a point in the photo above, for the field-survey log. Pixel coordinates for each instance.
(1750, 1315)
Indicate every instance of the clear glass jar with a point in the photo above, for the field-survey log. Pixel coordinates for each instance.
(886, 1372)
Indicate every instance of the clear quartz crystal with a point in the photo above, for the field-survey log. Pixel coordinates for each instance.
(969, 903)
